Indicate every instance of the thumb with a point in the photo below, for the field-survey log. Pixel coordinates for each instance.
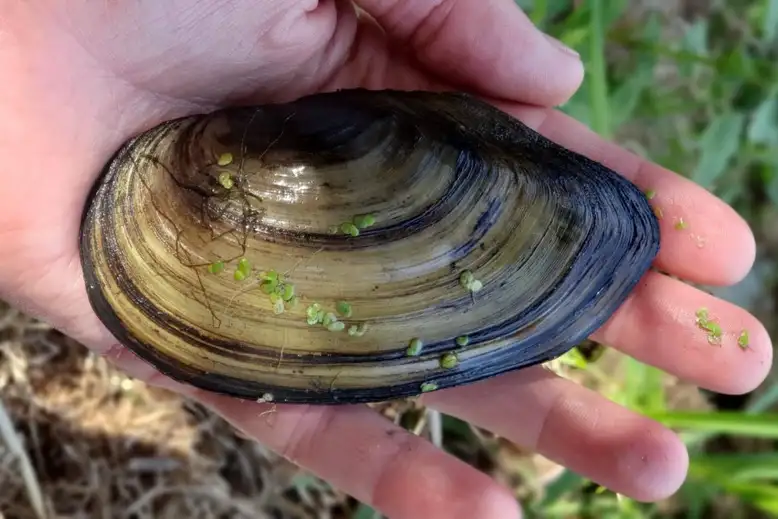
(486, 45)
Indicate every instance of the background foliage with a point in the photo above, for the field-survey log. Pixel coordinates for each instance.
(690, 84)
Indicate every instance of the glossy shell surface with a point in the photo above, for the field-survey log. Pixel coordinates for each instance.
(452, 242)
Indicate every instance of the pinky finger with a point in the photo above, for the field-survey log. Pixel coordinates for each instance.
(356, 450)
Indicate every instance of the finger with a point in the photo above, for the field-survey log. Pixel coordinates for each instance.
(371, 459)
(658, 325)
(486, 45)
(703, 239)
(575, 427)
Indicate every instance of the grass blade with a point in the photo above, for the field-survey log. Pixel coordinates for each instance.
(719, 143)
(738, 424)
(598, 91)
(10, 437)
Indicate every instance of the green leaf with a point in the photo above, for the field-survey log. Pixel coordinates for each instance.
(574, 358)
(455, 427)
(565, 483)
(598, 81)
(770, 27)
(737, 63)
(724, 422)
(696, 495)
(763, 496)
(766, 400)
(613, 10)
(644, 391)
(737, 467)
(772, 189)
(539, 12)
(719, 142)
(695, 42)
(575, 37)
(365, 512)
(764, 124)
(696, 38)
(627, 95)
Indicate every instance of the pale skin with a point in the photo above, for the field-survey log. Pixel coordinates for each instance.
(80, 76)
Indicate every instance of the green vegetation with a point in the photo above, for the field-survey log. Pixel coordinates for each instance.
(695, 89)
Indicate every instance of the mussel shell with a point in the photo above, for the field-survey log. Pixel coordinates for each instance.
(556, 240)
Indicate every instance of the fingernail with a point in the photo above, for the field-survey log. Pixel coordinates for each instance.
(561, 46)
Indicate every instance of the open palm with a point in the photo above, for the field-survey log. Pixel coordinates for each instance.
(80, 77)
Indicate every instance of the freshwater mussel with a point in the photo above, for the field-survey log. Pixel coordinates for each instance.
(357, 246)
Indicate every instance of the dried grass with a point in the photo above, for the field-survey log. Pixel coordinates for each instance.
(101, 445)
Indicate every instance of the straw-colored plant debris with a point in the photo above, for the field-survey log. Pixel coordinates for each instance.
(82, 440)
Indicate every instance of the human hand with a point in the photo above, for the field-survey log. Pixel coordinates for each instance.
(81, 77)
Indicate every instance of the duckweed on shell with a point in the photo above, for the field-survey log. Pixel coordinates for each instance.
(357, 330)
(226, 180)
(426, 387)
(364, 221)
(344, 308)
(336, 326)
(224, 159)
(412, 183)
(216, 267)
(712, 327)
(742, 339)
(449, 360)
(349, 228)
(414, 347)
